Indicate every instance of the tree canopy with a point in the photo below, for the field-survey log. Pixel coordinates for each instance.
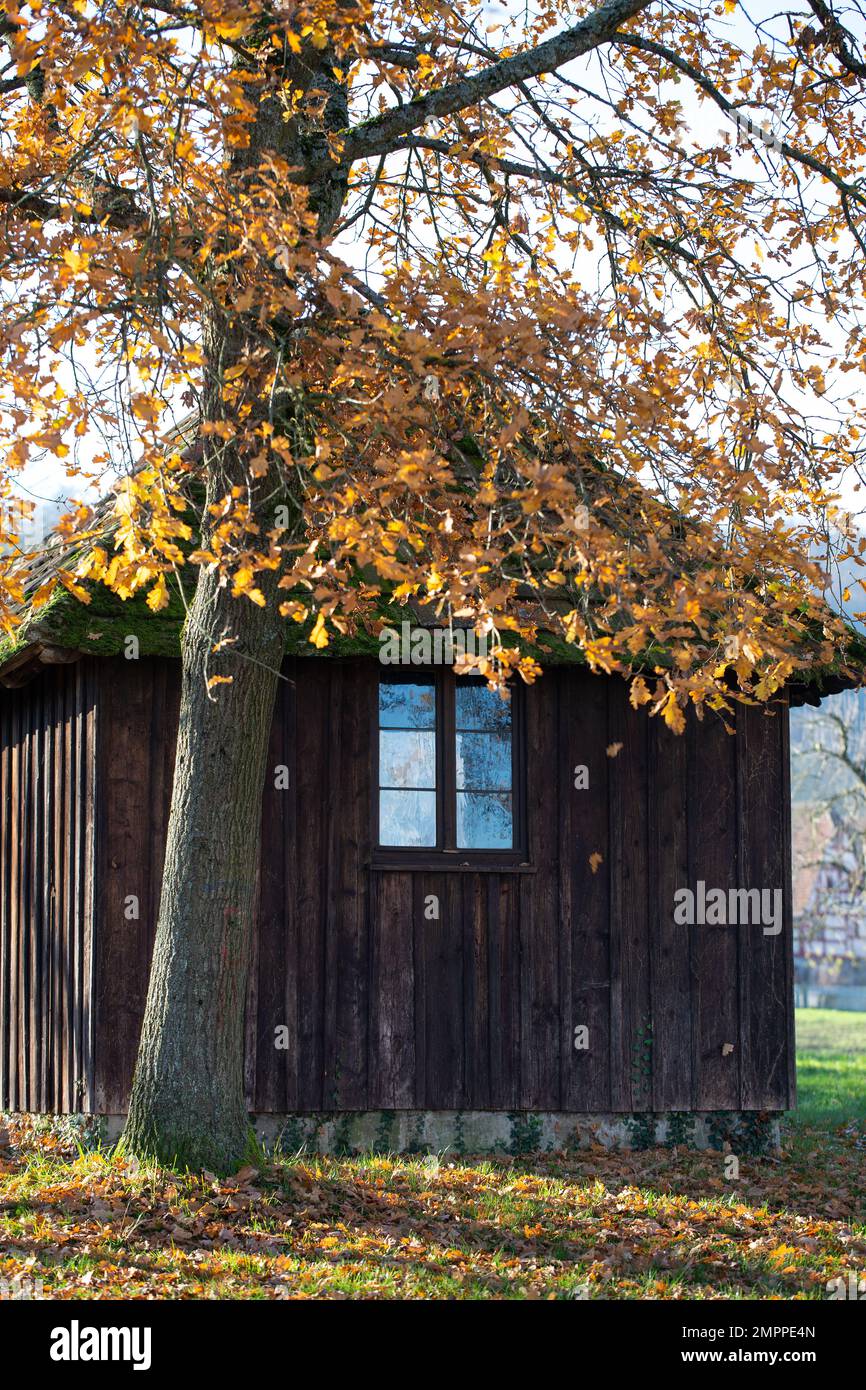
(460, 303)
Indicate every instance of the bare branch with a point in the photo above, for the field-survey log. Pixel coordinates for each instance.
(379, 135)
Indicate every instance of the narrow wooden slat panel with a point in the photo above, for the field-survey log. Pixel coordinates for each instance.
(292, 983)
(5, 923)
(764, 981)
(712, 758)
(585, 893)
(310, 858)
(15, 906)
(392, 993)
(503, 927)
(540, 1040)
(56, 924)
(419, 985)
(352, 776)
(40, 1000)
(670, 943)
(331, 850)
(440, 943)
(629, 894)
(476, 983)
(63, 868)
(129, 691)
(27, 1008)
(79, 899)
(46, 924)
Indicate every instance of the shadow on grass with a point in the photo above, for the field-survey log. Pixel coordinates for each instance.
(648, 1224)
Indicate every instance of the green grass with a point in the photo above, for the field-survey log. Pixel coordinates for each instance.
(657, 1224)
(831, 1067)
(660, 1223)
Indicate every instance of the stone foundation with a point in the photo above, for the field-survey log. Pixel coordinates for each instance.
(487, 1131)
(456, 1132)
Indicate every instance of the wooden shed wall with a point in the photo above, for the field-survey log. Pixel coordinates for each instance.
(475, 1010)
(47, 764)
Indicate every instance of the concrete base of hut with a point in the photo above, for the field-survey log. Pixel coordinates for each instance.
(456, 1132)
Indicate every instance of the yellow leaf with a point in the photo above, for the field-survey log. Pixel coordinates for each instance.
(77, 260)
(77, 590)
(673, 715)
(157, 599)
(638, 694)
(319, 634)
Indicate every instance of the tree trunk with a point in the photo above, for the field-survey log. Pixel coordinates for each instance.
(187, 1106)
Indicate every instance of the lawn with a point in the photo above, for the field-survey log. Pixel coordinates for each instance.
(831, 1067)
(660, 1223)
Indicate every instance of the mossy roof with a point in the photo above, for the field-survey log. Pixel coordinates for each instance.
(65, 627)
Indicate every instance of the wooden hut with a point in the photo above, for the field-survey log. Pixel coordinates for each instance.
(471, 921)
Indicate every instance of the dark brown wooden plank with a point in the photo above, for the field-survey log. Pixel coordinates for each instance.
(503, 926)
(629, 896)
(440, 943)
(64, 993)
(764, 984)
(788, 890)
(352, 778)
(392, 993)
(5, 897)
(585, 894)
(540, 933)
(476, 980)
(15, 969)
(331, 849)
(670, 943)
(128, 690)
(712, 832)
(29, 1037)
(310, 858)
(87, 673)
(291, 980)
(50, 1022)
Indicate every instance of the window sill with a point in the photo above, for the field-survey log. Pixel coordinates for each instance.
(446, 864)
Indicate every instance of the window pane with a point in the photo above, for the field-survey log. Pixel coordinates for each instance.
(406, 759)
(407, 705)
(481, 708)
(407, 818)
(483, 762)
(484, 821)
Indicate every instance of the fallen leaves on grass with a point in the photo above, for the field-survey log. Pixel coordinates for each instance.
(657, 1224)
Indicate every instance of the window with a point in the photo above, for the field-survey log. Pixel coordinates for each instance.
(449, 775)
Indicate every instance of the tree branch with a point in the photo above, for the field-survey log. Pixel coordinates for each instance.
(379, 135)
(730, 108)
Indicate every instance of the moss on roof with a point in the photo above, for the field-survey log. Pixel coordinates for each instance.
(103, 626)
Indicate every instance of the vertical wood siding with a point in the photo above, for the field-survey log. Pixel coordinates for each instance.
(138, 714)
(478, 1009)
(384, 1008)
(47, 765)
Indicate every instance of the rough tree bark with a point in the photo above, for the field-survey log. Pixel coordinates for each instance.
(187, 1105)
